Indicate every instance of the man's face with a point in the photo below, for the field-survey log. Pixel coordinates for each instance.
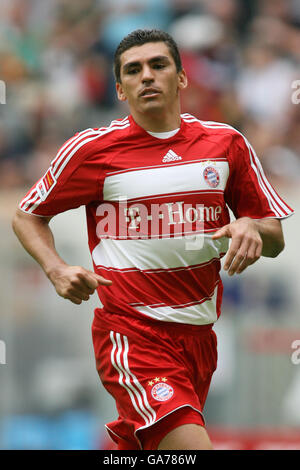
(149, 79)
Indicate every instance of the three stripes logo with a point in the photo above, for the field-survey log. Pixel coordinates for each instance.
(170, 157)
(127, 379)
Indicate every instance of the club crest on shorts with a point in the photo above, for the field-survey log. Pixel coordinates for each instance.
(211, 176)
(161, 391)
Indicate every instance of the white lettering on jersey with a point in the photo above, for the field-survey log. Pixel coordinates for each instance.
(140, 221)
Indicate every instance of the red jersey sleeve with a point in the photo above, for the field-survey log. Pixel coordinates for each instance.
(73, 178)
(248, 192)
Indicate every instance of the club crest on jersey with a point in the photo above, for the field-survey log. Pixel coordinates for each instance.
(161, 391)
(45, 185)
(211, 176)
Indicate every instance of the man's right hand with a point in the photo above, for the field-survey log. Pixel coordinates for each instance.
(76, 283)
(71, 282)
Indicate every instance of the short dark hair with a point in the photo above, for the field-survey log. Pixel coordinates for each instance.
(140, 37)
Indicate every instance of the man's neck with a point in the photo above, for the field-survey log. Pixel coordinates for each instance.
(157, 122)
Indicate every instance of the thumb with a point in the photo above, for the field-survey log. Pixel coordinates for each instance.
(101, 280)
(222, 232)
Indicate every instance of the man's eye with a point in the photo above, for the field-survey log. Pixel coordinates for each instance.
(132, 71)
(158, 66)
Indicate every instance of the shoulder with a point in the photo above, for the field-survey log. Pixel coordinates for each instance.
(220, 132)
(103, 134)
(87, 144)
(212, 128)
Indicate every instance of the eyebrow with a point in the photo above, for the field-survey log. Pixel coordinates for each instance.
(158, 58)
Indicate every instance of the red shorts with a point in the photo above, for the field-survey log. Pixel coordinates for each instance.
(158, 373)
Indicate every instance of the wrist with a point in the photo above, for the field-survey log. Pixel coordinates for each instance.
(53, 270)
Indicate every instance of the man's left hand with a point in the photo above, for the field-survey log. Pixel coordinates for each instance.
(246, 244)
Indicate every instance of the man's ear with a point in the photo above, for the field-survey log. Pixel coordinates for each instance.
(182, 79)
(120, 92)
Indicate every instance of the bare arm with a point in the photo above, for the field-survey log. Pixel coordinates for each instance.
(71, 282)
(251, 239)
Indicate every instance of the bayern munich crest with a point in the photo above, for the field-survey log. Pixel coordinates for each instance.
(211, 176)
(161, 391)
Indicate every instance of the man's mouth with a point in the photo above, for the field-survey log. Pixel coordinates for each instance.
(149, 92)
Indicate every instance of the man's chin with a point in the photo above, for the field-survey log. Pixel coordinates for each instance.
(152, 107)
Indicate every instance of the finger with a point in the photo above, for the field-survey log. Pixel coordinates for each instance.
(222, 232)
(232, 252)
(77, 293)
(248, 253)
(240, 256)
(253, 255)
(89, 281)
(245, 264)
(101, 280)
(73, 298)
(79, 285)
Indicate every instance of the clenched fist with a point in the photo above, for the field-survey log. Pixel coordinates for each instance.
(76, 283)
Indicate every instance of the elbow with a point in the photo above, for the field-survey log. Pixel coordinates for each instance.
(272, 238)
(277, 249)
(14, 222)
(281, 248)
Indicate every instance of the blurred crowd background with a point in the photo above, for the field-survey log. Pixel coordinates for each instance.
(242, 58)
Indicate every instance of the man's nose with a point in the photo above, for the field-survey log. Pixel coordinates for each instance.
(147, 74)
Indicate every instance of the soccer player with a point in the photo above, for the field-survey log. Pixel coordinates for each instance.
(157, 186)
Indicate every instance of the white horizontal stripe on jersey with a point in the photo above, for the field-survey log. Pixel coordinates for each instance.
(275, 203)
(166, 180)
(154, 254)
(185, 193)
(183, 305)
(159, 270)
(165, 165)
(203, 313)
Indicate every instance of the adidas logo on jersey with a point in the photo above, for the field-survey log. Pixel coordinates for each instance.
(170, 157)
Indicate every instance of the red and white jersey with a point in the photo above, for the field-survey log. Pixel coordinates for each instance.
(152, 205)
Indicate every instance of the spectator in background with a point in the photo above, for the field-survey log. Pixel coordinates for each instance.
(263, 85)
(55, 58)
(123, 16)
(209, 57)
